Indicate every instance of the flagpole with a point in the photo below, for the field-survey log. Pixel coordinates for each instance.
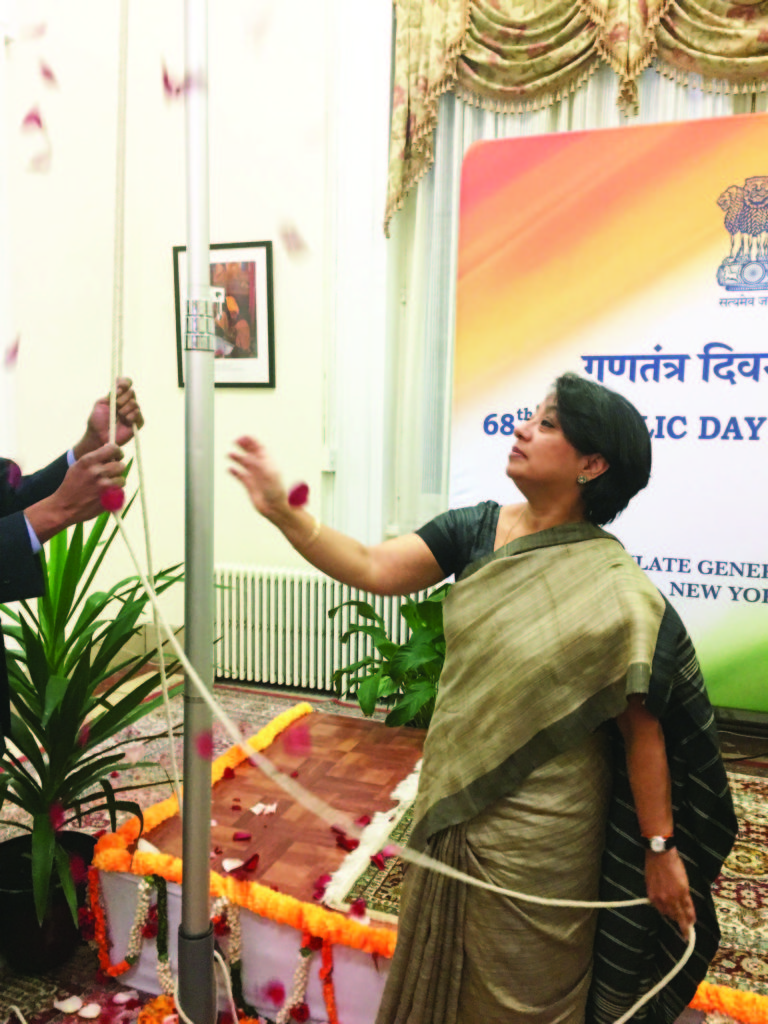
(196, 993)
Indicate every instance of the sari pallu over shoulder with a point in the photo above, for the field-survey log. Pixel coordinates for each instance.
(635, 947)
(544, 640)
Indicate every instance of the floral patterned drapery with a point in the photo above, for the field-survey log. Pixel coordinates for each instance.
(515, 55)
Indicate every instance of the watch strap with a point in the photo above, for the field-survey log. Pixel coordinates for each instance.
(659, 844)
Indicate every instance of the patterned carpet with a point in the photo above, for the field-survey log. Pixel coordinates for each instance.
(741, 893)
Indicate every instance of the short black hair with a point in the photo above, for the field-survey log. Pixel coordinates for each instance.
(598, 421)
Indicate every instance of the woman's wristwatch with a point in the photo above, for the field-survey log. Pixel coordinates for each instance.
(658, 844)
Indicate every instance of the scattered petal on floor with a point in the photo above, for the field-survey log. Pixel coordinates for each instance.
(125, 997)
(90, 1012)
(70, 1005)
(232, 863)
(242, 837)
(264, 809)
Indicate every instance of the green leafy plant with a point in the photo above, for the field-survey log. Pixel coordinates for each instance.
(403, 676)
(66, 705)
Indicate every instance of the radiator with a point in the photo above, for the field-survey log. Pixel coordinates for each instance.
(272, 626)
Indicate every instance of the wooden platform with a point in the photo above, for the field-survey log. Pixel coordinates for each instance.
(354, 764)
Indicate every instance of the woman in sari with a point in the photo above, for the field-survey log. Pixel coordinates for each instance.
(572, 752)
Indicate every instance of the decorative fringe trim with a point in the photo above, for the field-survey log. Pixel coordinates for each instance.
(112, 854)
(530, 103)
(747, 1007)
(423, 138)
(719, 86)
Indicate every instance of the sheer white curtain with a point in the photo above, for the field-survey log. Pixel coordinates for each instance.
(423, 258)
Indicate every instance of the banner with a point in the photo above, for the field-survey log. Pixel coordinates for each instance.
(637, 257)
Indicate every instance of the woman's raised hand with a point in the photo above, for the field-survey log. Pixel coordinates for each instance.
(259, 476)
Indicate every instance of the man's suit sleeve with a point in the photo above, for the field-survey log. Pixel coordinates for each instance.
(21, 575)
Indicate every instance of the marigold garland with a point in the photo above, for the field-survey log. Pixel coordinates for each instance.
(748, 1007)
(100, 929)
(112, 854)
(326, 976)
(157, 1009)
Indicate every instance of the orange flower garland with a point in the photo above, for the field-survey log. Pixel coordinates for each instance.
(100, 929)
(156, 1010)
(326, 976)
(748, 1007)
(112, 854)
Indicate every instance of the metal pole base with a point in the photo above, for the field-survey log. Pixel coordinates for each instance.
(197, 991)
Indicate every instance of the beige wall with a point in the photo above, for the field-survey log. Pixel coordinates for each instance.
(274, 117)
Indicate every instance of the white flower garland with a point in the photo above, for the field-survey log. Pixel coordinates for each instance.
(298, 988)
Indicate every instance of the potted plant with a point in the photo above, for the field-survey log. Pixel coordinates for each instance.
(403, 676)
(68, 704)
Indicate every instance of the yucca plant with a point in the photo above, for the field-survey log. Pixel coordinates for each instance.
(403, 676)
(62, 716)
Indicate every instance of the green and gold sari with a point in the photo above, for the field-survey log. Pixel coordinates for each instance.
(524, 785)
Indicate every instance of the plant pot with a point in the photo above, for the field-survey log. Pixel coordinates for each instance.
(28, 947)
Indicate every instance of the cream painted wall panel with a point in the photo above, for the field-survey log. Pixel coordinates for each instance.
(268, 168)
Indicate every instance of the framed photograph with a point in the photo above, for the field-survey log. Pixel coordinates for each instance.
(241, 289)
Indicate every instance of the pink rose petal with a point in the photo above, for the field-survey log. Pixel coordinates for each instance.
(378, 860)
(242, 837)
(298, 495)
(358, 908)
(320, 885)
(12, 353)
(32, 119)
(297, 741)
(392, 850)
(204, 744)
(47, 73)
(56, 815)
(347, 843)
(363, 820)
(112, 499)
(292, 240)
(82, 736)
(229, 773)
(14, 475)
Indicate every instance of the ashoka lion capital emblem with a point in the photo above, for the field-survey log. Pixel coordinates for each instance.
(746, 220)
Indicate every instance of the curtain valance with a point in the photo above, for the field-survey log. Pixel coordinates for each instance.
(515, 55)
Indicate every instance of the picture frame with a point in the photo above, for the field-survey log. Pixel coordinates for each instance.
(242, 290)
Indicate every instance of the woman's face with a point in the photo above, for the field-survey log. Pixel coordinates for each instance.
(542, 455)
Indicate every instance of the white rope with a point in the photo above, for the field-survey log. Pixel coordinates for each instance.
(222, 964)
(176, 781)
(119, 243)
